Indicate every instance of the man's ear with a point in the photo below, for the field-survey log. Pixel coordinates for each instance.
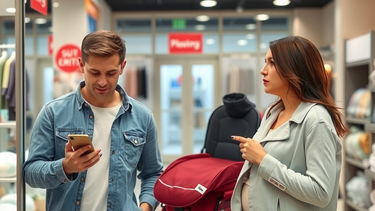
(123, 66)
(80, 64)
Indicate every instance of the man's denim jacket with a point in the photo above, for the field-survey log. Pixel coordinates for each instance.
(134, 148)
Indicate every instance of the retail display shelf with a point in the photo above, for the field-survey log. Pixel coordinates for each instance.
(358, 63)
(370, 174)
(354, 162)
(10, 124)
(354, 206)
(372, 88)
(370, 127)
(357, 121)
(8, 179)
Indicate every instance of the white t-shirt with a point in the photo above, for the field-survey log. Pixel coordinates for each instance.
(95, 192)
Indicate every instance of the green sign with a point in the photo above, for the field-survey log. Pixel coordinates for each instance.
(178, 24)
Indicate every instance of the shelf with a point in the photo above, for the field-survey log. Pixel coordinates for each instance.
(370, 127)
(352, 205)
(354, 162)
(370, 174)
(10, 124)
(357, 121)
(10, 179)
(358, 63)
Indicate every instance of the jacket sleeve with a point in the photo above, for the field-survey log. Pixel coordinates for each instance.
(150, 165)
(323, 161)
(41, 170)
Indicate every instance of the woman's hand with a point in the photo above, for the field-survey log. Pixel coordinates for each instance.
(251, 150)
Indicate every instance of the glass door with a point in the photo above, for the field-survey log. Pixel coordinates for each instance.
(186, 89)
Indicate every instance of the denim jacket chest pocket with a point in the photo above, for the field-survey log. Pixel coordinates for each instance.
(132, 147)
(62, 138)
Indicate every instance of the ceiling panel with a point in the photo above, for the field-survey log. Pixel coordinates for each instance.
(156, 5)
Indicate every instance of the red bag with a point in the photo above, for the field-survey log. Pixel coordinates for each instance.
(197, 182)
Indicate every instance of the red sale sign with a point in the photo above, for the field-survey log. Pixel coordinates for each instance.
(50, 45)
(40, 6)
(67, 58)
(185, 43)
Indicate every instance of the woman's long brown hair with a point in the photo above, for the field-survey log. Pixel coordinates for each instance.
(299, 61)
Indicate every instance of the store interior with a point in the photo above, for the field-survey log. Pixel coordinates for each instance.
(183, 89)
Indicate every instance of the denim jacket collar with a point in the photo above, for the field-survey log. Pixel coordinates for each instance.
(126, 103)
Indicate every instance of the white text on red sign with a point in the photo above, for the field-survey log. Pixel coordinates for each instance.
(185, 44)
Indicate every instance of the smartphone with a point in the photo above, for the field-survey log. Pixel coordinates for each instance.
(80, 140)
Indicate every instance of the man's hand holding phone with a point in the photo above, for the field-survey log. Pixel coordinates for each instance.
(77, 159)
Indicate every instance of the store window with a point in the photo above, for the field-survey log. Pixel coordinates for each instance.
(138, 44)
(276, 24)
(209, 24)
(266, 38)
(240, 43)
(210, 43)
(239, 24)
(8, 31)
(133, 25)
(43, 30)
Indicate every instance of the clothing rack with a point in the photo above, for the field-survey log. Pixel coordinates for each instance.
(7, 45)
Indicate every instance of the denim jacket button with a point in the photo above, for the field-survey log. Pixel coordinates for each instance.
(136, 142)
(82, 179)
(113, 152)
(91, 116)
(77, 203)
(109, 204)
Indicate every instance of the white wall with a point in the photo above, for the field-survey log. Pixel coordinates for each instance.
(308, 23)
(69, 22)
(105, 13)
(328, 24)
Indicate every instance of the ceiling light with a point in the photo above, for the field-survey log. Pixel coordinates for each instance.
(263, 45)
(27, 20)
(281, 2)
(11, 10)
(262, 17)
(56, 4)
(202, 18)
(208, 3)
(200, 27)
(40, 21)
(210, 41)
(250, 36)
(241, 42)
(251, 26)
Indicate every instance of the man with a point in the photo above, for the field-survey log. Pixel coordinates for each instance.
(122, 130)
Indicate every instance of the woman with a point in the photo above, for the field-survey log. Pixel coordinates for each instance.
(293, 162)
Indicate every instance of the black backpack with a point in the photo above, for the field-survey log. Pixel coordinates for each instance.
(237, 116)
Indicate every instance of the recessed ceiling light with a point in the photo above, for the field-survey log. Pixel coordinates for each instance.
(241, 42)
(56, 4)
(262, 17)
(210, 41)
(202, 18)
(11, 10)
(250, 36)
(27, 20)
(251, 26)
(208, 3)
(263, 46)
(40, 21)
(281, 2)
(200, 27)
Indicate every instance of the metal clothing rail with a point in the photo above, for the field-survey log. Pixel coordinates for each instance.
(7, 45)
